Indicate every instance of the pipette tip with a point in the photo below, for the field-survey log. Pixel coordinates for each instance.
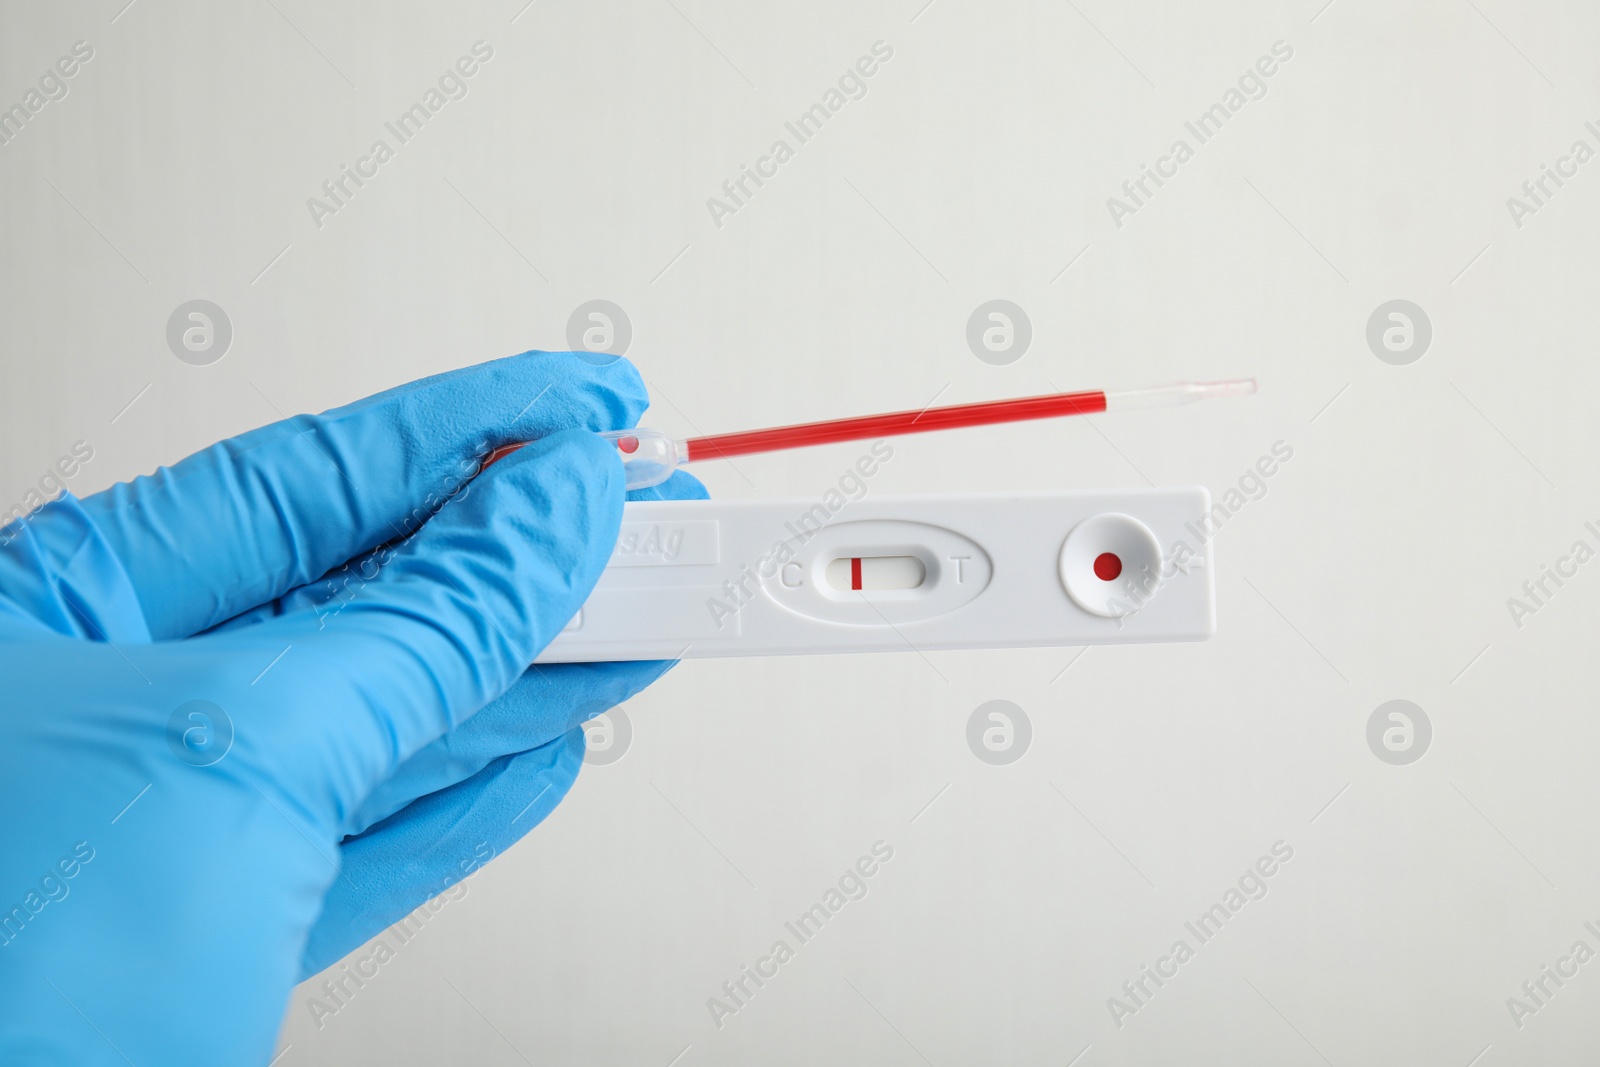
(1231, 387)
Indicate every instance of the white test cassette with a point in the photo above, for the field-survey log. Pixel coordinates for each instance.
(696, 578)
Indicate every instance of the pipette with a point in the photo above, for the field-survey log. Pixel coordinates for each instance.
(649, 457)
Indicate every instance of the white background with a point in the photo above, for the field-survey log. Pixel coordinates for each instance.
(1377, 565)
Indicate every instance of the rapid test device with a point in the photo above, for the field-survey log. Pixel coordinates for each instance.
(696, 578)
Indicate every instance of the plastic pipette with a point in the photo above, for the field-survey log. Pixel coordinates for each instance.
(649, 457)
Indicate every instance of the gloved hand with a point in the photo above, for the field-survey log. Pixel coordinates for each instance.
(236, 742)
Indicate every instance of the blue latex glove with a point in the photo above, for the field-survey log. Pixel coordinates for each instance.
(228, 755)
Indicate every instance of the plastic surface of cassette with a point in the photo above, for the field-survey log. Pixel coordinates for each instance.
(778, 577)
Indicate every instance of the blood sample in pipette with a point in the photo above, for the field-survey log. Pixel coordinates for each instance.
(649, 457)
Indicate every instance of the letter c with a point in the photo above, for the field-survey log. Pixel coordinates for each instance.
(1566, 173)
(1173, 173)
(1566, 974)
(1165, 973)
(762, 971)
(360, 967)
(1564, 573)
(764, 173)
(783, 573)
(366, 173)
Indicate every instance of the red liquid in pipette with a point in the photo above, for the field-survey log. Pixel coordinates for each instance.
(720, 446)
(800, 435)
(650, 457)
